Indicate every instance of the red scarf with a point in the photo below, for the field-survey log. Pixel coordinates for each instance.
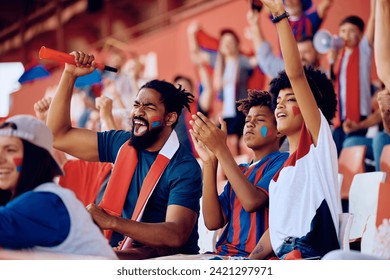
(352, 102)
(122, 174)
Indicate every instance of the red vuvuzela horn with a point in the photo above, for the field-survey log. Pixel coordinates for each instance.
(50, 54)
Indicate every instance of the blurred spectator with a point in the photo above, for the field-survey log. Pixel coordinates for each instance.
(232, 71)
(271, 64)
(304, 19)
(181, 128)
(374, 143)
(202, 101)
(352, 71)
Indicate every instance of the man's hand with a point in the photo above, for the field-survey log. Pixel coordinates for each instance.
(85, 64)
(101, 217)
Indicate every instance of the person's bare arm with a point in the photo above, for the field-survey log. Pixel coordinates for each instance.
(382, 57)
(40, 108)
(192, 28)
(323, 8)
(104, 105)
(373, 119)
(268, 62)
(257, 35)
(207, 95)
(196, 54)
(174, 232)
(370, 29)
(382, 41)
(211, 207)
(213, 216)
(294, 70)
(263, 248)
(81, 143)
(218, 72)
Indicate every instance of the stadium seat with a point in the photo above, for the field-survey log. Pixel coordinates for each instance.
(375, 239)
(363, 200)
(351, 162)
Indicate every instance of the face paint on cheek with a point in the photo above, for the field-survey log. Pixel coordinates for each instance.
(265, 131)
(18, 162)
(296, 111)
(155, 121)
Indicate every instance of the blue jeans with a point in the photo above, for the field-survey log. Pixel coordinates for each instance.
(379, 141)
(358, 141)
(294, 243)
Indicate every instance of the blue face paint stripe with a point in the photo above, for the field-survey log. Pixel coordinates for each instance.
(156, 123)
(264, 131)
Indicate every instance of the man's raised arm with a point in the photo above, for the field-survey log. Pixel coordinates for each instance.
(81, 143)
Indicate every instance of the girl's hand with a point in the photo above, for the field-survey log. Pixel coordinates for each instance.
(276, 7)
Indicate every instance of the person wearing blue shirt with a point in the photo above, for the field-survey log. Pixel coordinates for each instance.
(168, 223)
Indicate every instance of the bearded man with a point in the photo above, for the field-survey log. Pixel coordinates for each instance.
(152, 198)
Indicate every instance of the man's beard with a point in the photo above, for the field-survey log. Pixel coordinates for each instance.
(146, 140)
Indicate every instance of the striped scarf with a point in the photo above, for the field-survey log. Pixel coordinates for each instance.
(122, 174)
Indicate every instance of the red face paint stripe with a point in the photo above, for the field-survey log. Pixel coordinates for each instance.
(269, 132)
(155, 121)
(296, 111)
(18, 162)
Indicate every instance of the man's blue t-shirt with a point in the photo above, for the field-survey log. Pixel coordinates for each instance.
(180, 184)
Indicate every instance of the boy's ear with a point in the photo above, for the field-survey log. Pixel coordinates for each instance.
(279, 134)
